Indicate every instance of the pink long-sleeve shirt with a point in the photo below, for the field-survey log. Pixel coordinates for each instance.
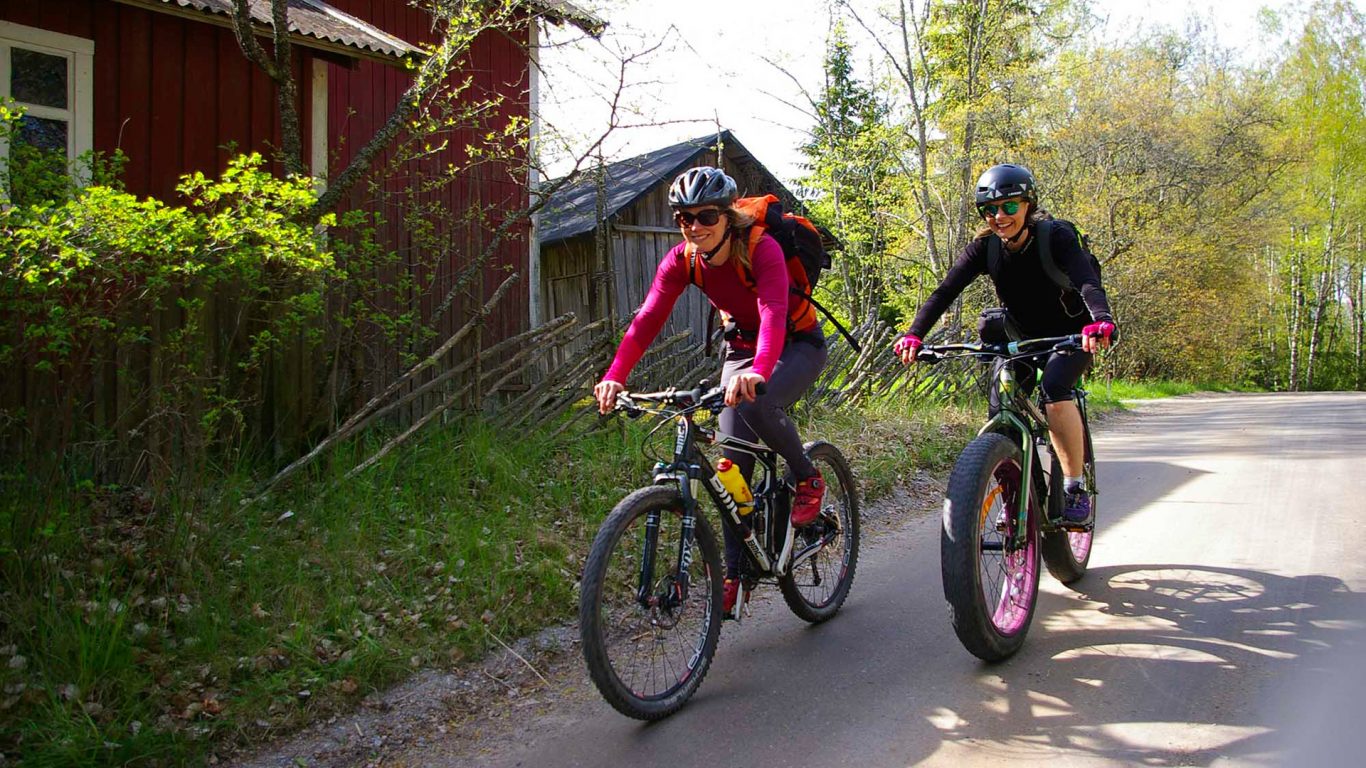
(764, 308)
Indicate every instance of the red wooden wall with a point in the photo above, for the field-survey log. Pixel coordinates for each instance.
(361, 98)
(172, 93)
(169, 92)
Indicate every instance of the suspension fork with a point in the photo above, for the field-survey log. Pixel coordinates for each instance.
(683, 558)
(684, 473)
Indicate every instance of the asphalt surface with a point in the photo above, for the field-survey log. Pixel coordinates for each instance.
(1221, 623)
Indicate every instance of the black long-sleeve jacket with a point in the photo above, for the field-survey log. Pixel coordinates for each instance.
(1038, 306)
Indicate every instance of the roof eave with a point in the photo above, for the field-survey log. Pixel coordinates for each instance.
(559, 12)
(297, 38)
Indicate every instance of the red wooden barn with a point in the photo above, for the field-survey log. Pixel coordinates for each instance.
(166, 82)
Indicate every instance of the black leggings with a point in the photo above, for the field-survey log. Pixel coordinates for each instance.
(1061, 372)
(766, 418)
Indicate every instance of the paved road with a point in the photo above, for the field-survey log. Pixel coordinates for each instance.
(1222, 623)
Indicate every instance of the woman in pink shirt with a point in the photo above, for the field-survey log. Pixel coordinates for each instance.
(761, 345)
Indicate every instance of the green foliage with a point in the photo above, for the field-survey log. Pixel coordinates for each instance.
(1312, 325)
(90, 275)
(1225, 200)
(154, 628)
(854, 173)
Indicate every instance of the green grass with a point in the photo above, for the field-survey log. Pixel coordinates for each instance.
(1110, 395)
(160, 629)
(156, 629)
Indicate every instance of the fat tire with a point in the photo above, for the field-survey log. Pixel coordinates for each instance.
(832, 465)
(594, 634)
(960, 549)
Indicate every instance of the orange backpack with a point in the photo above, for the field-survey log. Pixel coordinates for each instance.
(802, 250)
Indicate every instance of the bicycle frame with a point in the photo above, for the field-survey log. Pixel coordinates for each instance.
(691, 471)
(1018, 417)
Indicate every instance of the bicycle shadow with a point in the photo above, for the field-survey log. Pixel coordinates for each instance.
(1196, 643)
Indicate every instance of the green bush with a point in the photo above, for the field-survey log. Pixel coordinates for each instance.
(91, 276)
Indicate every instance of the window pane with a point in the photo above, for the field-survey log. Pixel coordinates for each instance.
(43, 133)
(38, 78)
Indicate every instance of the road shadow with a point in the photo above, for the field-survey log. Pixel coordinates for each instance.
(1183, 649)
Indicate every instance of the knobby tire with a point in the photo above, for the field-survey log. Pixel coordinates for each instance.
(647, 662)
(816, 589)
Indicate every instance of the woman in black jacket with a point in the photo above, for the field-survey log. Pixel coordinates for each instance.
(1035, 305)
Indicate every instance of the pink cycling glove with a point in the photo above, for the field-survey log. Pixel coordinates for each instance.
(907, 341)
(1101, 329)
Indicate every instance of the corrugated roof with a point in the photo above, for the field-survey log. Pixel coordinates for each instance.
(310, 19)
(572, 210)
(560, 10)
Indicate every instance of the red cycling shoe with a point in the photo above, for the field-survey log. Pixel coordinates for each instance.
(730, 591)
(806, 502)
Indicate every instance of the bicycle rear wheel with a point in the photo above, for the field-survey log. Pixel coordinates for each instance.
(991, 587)
(817, 588)
(648, 634)
(1067, 552)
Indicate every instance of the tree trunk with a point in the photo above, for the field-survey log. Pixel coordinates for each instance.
(1324, 288)
(1296, 303)
(1356, 292)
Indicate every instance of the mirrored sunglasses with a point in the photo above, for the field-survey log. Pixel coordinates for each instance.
(1011, 207)
(707, 218)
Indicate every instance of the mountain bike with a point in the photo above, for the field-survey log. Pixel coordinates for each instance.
(996, 525)
(650, 605)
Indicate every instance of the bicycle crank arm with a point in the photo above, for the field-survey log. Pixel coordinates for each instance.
(810, 550)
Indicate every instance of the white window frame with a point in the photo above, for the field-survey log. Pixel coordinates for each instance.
(79, 53)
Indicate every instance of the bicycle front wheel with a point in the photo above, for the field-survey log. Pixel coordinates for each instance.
(815, 589)
(649, 611)
(990, 584)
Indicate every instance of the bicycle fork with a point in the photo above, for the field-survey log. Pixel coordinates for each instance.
(1011, 425)
(677, 588)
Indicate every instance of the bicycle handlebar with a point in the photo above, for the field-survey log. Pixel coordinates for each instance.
(703, 396)
(933, 353)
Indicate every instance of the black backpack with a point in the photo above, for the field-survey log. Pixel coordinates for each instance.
(1043, 232)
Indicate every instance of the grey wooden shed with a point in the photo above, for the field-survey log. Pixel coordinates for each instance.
(580, 274)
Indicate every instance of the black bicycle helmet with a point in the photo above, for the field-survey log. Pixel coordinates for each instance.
(1006, 180)
(702, 185)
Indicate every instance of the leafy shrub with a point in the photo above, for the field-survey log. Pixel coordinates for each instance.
(178, 305)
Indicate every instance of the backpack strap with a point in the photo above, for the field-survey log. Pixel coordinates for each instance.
(694, 266)
(1044, 232)
(994, 258)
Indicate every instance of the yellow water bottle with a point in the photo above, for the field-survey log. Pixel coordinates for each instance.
(730, 477)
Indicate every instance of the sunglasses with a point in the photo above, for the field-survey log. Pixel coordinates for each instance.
(706, 218)
(1011, 207)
